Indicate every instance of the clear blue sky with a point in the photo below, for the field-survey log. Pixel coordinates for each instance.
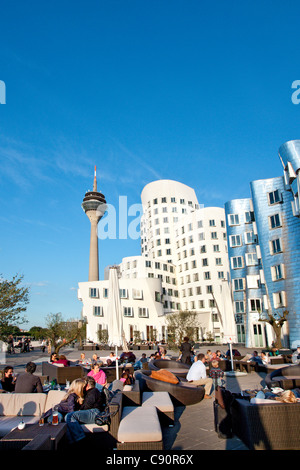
(190, 90)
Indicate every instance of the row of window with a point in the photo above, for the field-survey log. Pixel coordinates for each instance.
(137, 294)
(193, 264)
(237, 240)
(173, 200)
(158, 265)
(196, 277)
(255, 305)
(143, 312)
(277, 273)
(237, 262)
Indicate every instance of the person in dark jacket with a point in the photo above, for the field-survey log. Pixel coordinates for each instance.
(8, 380)
(186, 351)
(27, 382)
(93, 403)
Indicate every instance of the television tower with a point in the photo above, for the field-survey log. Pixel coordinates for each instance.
(94, 205)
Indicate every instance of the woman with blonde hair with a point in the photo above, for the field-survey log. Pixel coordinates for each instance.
(72, 400)
(287, 397)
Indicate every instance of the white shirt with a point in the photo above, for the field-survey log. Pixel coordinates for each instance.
(197, 371)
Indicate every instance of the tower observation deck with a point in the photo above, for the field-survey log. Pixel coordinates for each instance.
(94, 205)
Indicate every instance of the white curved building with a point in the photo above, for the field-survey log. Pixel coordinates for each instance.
(183, 266)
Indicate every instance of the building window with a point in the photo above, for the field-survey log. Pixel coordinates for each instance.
(274, 197)
(249, 217)
(220, 274)
(277, 272)
(212, 223)
(105, 293)
(98, 311)
(239, 306)
(123, 294)
(255, 305)
(238, 284)
(250, 238)
(275, 246)
(148, 264)
(274, 221)
(218, 261)
(137, 294)
(235, 240)
(200, 303)
(237, 262)
(251, 259)
(209, 289)
(128, 311)
(206, 275)
(205, 262)
(214, 235)
(94, 293)
(233, 219)
(143, 312)
(279, 299)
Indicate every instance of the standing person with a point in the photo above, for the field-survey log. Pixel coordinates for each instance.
(10, 345)
(43, 345)
(197, 374)
(27, 382)
(8, 381)
(216, 373)
(186, 351)
(94, 402)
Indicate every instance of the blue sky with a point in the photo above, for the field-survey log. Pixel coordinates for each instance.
(195, 91)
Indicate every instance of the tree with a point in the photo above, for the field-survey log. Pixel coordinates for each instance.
(13, 302)
(181, 324)
(38, 332)
(277, 323)
(60, 332)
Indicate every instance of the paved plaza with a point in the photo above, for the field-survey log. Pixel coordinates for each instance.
(194, 424)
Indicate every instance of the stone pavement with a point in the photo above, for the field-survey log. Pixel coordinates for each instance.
(194, 424)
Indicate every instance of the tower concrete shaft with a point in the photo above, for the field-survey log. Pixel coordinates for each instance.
(94, 205)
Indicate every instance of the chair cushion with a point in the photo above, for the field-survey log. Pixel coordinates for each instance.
(165, 376)
(25, 404)
(92, 427)
(54, 397)
(139, 424)
(161, 400)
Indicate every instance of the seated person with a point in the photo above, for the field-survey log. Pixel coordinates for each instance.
(8, 381)
(27, 382)
(95, 358)
(296, 356)
(62, 360)
(98, 375)
(164, 355)
(140, 362)
(83, 359)
(256, 358)
(235, 352)
(72, 400)
(53, 357)
(127, 357)
(265, 358)
(219, 355)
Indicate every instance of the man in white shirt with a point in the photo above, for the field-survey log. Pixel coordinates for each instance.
(197, 374)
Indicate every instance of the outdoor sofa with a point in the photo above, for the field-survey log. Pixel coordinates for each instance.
(286, 377)
(181, 393)
(266, 424)
(29, 406)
